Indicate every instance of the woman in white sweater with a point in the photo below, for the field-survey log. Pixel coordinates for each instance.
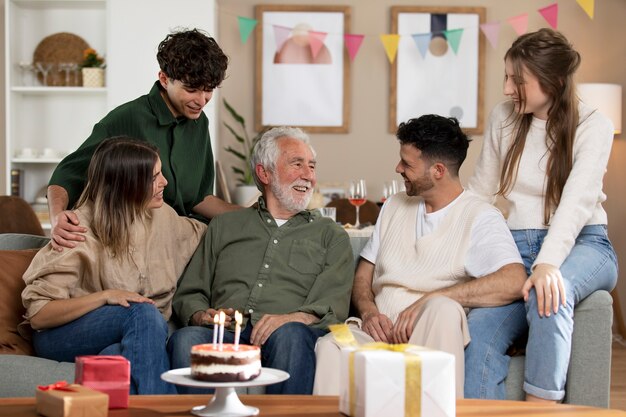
(546, 153)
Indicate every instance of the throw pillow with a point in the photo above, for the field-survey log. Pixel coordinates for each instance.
(14, 264)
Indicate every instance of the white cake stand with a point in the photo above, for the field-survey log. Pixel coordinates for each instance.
(225, 401)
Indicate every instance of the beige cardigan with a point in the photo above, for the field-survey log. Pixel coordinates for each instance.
(160, 248)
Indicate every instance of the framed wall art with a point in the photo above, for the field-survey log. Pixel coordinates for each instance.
(302, 67)
(439, 66)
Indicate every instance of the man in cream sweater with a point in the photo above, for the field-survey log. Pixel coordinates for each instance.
(418, 271)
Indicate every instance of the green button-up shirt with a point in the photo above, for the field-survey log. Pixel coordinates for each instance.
(184, 147)
(248, 263)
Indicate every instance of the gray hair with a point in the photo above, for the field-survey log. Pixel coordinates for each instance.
(266, 150)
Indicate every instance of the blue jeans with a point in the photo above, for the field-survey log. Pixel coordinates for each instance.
(590, 266)
(290, 348)
(138, 333)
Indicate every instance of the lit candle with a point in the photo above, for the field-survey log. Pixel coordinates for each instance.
(237, 328)
(222, 320)
(216, 319)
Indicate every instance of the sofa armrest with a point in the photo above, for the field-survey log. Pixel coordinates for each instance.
(589, 375)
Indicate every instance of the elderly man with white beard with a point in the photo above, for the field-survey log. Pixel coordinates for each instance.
(288, 269)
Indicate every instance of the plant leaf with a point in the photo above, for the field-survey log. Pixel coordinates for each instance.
(234, 114)
(236, 153)
(238, 171)
(239, 138)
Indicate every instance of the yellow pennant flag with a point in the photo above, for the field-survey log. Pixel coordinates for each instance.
(588, 6)
(390, 42)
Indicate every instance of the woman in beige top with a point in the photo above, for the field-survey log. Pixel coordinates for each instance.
(112, 293)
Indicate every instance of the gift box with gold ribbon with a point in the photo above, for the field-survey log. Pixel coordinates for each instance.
(106, 373)
(380, 379)
(64, 400)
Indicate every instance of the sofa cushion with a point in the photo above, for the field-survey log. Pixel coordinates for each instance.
(14, 263)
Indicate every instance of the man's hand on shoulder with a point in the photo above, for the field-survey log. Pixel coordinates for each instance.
(378, 326)
(264, 328)
(66, 230)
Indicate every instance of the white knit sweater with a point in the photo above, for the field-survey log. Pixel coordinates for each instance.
(582, 197)
(404, 272)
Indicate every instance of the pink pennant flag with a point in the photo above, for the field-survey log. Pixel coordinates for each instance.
(353, 43)
(281, 34)
(492, 32)
(550, 13)
(519, 23)
(316, 41)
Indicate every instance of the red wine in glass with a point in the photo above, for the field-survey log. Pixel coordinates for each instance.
(357, 195)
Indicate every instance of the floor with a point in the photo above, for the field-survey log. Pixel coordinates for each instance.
(618, 376)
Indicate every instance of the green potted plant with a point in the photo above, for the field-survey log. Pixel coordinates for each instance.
(246, 190)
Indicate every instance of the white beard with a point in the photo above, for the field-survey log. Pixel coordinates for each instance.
(290, 199)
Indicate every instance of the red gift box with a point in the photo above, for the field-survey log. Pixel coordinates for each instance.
(108, 374)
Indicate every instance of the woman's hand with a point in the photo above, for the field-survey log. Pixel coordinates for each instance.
(548, 283)
(124, 298)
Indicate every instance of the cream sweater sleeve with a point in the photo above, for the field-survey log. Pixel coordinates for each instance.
(486, 178)
(582, 197)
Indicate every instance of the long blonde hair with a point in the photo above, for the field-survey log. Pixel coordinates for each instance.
(549, 56)
(119, 187)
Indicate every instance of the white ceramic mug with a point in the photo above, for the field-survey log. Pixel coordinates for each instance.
(27, 153)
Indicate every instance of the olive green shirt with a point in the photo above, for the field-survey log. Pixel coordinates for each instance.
(184, 147)
(246, 262)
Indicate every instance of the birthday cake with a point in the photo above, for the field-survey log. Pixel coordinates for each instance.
(225, 363)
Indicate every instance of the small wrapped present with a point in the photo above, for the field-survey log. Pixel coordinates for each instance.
(380, 379)
(63, 400)
(109, 374)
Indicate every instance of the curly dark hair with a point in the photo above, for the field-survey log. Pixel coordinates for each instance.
(194, 58)
(440, 139)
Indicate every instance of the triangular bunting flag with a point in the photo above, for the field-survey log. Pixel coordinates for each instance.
(588, 6)
(550, 13)
(519, 23)
(316, 41)
(353, 43)
(492, 32)
(454, 38)
(246, 26)
(390, 42)
(422, 40)
(281, 34)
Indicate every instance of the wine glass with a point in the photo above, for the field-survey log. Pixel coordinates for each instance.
(357, 195)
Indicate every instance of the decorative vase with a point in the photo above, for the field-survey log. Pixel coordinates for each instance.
(246, 195)
(93, 77)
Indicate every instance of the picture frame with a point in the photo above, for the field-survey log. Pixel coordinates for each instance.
(302, 76)
(428, 76)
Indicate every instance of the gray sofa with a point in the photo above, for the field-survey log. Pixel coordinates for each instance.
(588, 376)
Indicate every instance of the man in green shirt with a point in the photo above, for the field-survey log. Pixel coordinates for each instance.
(170, 116)
(288, 269)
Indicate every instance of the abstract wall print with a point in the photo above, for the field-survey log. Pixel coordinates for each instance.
(302, 68)
(439, 65)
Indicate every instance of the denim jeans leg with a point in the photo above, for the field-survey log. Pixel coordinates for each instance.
(291, 348)
(140, 330)
(591, 266)
(179, 349)
(492, 330)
